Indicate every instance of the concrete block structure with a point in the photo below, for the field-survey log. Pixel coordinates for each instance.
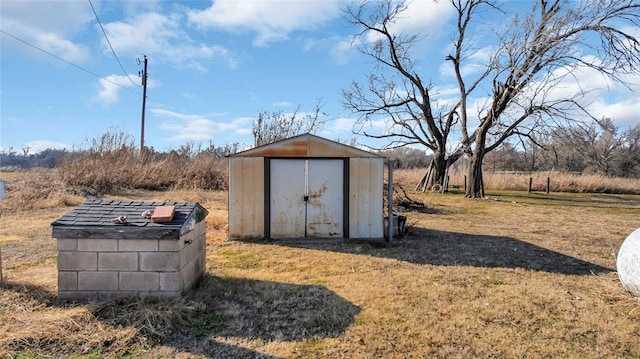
(98, 259)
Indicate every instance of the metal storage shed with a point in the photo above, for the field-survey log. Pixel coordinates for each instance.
(305, 187)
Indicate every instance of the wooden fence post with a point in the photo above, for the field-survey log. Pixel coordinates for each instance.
(530, 183)
(390, 200)
(548, 184)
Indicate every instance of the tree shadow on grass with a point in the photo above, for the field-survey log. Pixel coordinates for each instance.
(426, 246)
(583, 200)
(277, 311)
(451, 248)
(241, 308)
(238, 308)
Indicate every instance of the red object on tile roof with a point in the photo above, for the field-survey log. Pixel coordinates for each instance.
(163, 214)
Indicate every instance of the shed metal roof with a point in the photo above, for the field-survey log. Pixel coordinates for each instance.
(306, 145)
(92, 219)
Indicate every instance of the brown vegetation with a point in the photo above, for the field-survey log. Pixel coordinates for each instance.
(36, 189)
(521, 275)
(559, 181)
(113, 162)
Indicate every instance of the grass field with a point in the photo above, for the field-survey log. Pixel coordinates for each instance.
(515, 275)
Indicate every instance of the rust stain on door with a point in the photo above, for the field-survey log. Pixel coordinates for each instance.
(306, 198)
(325, 206)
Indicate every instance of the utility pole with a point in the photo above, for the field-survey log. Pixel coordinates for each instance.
(143, 75)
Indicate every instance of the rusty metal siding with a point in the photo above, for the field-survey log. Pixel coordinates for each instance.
(293, 148)
(330, 149)
(307, 146)
(246, 197)
(353, 191)
(365, 202)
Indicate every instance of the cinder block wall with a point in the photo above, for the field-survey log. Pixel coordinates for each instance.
(96, 269)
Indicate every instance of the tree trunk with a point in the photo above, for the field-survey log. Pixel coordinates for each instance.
(439, 168)
(435, 172)
(475, 188)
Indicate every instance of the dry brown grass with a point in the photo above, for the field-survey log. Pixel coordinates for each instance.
(559, 181)
(36, 189)
(515, 276)
(102, 173)
(113, 162)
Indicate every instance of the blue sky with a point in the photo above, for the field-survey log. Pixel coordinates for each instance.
(213, 65)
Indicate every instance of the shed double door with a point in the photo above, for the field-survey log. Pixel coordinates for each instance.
(306, 198)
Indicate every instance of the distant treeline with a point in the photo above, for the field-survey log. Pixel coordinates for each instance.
(49, 158)
(52, 158)
(599, 148)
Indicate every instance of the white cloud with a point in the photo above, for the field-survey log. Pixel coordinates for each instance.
(61, 47)
(594, 91)
(194, 127)
(446, 91)
(186, 127)
(271, 20)
(62, 17)
(282, 104)
(420, 17)
(342, 124)
(41, 145)
(474, 63)
(49, 25)
(625, 112)
(136, 7)
(111, 85)
(578, 82)
(162, 37)
(340, 48)
(342, 51)
(245, 131)
(240, 126)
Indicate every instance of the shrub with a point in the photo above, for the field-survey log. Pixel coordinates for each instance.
(114, 162)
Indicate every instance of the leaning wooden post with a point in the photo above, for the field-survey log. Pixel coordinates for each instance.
(530, 183)
(390, 200)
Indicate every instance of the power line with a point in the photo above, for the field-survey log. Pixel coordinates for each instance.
(67, 62)
(111, 47)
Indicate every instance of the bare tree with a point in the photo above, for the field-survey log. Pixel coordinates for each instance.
(506, 158)
(407, 157)
(270, 127)
(628, 159)
(593, 143)
(516, 92)
(394, 91)
(602, 148)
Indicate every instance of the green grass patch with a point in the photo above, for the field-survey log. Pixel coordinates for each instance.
(208, 323)
(624, 202)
